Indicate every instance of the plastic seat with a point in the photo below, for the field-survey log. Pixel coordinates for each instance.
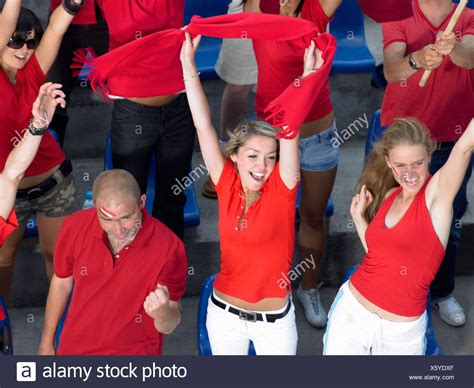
(432, 346)
(6, 341)
(374, 133)
(209, 48)
(203, 345)
(192, 215)
(352, 53)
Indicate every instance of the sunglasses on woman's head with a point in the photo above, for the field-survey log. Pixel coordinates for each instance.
(17, 42)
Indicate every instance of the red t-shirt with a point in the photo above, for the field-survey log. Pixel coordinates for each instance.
(446, 103)
(255, 258)
(85, 16)
(8, 226)
(106, 314)
(15, 115)
(280, 63)
(398, 269)
(129, 20)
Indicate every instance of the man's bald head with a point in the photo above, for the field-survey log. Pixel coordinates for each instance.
(117, 185)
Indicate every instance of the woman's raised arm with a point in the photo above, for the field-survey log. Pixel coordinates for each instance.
(59, 22)
(208, 141)
(8, 20)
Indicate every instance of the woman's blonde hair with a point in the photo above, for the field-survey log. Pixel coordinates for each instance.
(376, 175)
(244, 130)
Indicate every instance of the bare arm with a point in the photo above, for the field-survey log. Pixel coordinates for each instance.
(23, 154)
(445, 184)
(48, 48)
(59, 291)
(462, 54)
(360, 203)
(164, 312)
(201, 112)
(330, 6)
(396, 65)
(289, 150)
(8, 19)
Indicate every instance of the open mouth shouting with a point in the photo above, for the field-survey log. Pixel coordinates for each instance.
(257, 176)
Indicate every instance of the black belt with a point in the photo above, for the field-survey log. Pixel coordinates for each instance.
(251, 316)
(445, 144)
(37, 191)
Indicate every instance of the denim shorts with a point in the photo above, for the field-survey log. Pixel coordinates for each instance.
(317, 152)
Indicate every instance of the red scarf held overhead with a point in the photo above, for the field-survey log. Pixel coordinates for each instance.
(155, 59)
(387, 10)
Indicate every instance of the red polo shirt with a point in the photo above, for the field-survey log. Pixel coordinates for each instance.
(446, 103)
(15, 114)
(8, 226)
(85, 16)
(106, 314)
(255, 257)
(281, 62)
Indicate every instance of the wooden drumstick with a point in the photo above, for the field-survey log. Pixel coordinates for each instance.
(449, 29)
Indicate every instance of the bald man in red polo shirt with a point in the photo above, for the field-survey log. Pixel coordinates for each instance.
(128, 271)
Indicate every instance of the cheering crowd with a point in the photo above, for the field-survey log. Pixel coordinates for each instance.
(122, 271)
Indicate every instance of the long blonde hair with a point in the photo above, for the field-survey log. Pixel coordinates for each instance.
(376, 175)
(244, 130)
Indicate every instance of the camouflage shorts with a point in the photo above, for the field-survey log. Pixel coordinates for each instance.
(61, 200)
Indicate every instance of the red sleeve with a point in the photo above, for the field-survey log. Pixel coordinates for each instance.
(228, 175)
(469, 28)
(63, 253)
(393, 32)
(8, 226)
(173, 273)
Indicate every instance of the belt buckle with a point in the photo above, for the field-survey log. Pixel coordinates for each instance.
(248, 316)
(35, 192)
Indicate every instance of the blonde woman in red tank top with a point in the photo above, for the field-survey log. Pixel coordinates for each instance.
(403, 217)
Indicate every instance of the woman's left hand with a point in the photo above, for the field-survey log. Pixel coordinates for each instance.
(188, 54)
(49, 97)
(313, 59)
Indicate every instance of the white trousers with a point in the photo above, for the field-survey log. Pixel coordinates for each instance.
(230, 335)
(353, 330)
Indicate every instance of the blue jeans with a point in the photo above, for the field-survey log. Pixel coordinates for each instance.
(443, 284)
(137, 131)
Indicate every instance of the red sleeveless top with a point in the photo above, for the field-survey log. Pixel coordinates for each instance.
(402, 261)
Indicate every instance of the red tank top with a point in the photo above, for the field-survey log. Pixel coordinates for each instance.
(402, 261)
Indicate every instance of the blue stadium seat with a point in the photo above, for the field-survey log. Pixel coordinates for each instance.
(192, 215)
(31, 229)
(352, 53)
(204, 347)
(209, 48)
(432, 346)
(59, 329)
(374, 133)
(6, 341)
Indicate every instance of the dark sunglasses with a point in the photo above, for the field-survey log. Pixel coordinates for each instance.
(17, 42)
